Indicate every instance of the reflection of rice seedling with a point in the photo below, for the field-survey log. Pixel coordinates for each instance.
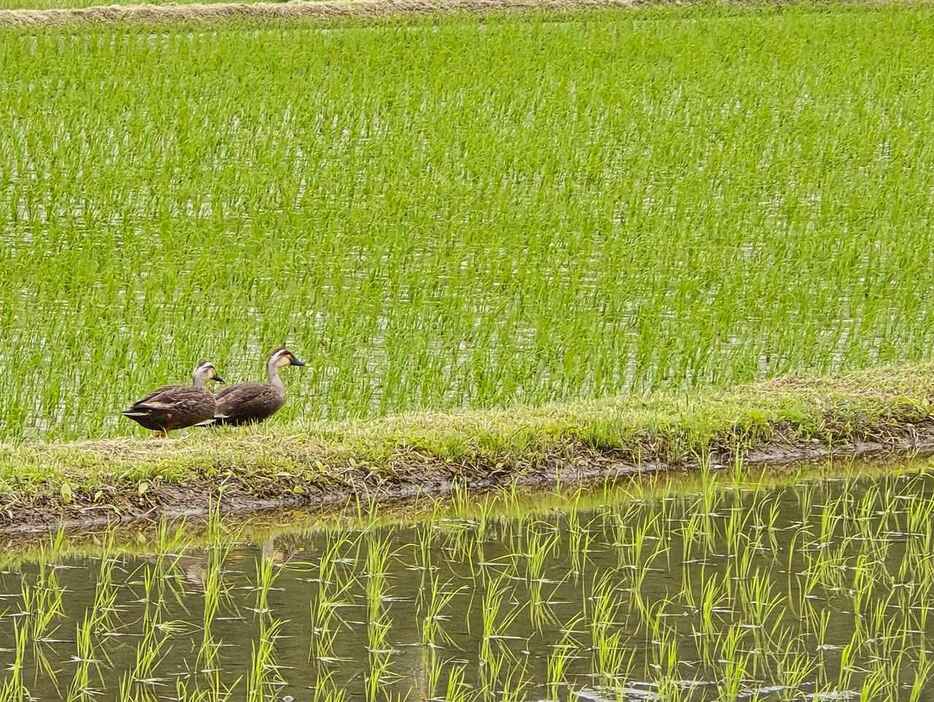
(13, 689)
(495, 590)
(735, 664)
(606, 604)
(558, 659)
(438, 598)
(457, 688)
(80, 688)
(263, 674)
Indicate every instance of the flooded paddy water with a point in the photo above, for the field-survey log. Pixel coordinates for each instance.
(716, 586)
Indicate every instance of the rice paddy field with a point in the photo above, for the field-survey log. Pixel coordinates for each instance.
(627, 213)
(725, 586)
(461, 213)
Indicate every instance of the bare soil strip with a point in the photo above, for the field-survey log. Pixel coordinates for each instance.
(207, 13)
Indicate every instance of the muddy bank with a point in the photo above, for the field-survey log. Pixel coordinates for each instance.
(354, 9)
(423, 477)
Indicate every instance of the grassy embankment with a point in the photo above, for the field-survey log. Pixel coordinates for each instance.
(399, 457)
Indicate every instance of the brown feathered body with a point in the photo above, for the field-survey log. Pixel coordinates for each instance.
(172, 407)
(248, 403)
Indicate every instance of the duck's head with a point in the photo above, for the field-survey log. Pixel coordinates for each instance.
(282, 357)
(204, 372)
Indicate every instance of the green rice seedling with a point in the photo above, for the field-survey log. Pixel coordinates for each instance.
(150, 651)
(691, 530)
(794, 665)
(105, 594)
(848, 655)
(707, 631)
(457, 687)
(377, 560)
(759, 603)
(213, 595)
(666, 675)
(876, 685)
(378, 622)
(325, 619)
(185, 694)
(516, 682)
(429, 675)
(379, 650)
(493, 670)
(332, 593)
(461, 503)
(579, 540)
(265, 577)
(423, 548)
(43, 604)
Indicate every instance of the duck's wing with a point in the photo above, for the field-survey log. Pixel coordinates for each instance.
(164, 397)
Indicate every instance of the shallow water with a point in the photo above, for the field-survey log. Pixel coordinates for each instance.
(696, 591)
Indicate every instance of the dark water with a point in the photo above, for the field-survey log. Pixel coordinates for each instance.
(686, 592)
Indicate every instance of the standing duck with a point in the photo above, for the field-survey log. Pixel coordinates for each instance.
(177, 406)
(250, 403)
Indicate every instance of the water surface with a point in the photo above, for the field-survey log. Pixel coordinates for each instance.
(697, 590)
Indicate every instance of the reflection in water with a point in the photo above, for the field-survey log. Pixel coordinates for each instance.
(818, 590)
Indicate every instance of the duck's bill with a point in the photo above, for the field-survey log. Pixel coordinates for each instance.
(297, 362)
(218, 379)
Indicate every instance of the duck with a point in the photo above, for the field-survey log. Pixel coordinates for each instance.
(251, 403)
(177, 406)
